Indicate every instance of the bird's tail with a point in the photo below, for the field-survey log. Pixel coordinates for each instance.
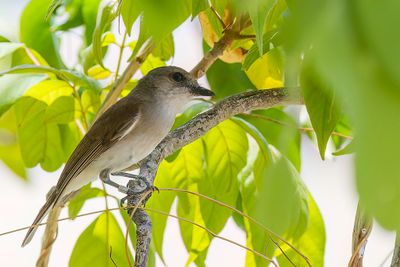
(42, 213)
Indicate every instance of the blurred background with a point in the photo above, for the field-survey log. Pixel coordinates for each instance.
(331, 183)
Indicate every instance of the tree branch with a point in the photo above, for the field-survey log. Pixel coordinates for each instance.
(194, 129)
(396, 252)
(362, 229)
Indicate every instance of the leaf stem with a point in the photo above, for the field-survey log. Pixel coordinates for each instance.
(121, 52)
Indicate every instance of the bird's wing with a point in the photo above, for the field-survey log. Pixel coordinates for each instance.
(112, 126)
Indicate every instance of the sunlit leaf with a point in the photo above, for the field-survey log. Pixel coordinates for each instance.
(98, 72)
(95, 244)
(61, 110)
(75, 77)
(49, 90)
(14, 86)
(8, 48)
(271, 37)
(150, 63)
(267, 71)
(40, 141)
(10, 152)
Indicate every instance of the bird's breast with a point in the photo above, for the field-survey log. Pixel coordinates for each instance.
(137, 144)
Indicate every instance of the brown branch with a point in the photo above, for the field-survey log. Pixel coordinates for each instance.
(199, 126)
(218, 49)
(396, 252)
(49, 236)
(361, 231)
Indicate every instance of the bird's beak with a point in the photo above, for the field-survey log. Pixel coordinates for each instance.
(197, 90)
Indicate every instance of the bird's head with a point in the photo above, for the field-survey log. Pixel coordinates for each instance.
(172, 83)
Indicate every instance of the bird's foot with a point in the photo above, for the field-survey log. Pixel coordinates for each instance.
(136, 181)
(152, 188)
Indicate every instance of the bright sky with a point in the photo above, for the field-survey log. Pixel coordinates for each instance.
(330, 182)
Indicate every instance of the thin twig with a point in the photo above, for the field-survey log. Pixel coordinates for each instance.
(218, 49)
(396, 252)
(218, 16)
(213, 234)
(121, 52)
(361, 231)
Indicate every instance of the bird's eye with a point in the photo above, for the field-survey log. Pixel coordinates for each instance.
(177, 77)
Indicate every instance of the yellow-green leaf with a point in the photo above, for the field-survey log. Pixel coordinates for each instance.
(95, 244)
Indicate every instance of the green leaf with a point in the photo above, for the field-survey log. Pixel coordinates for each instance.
(284, 198)
(322, 106)
(8, 48)
(225, 155)
(95, 244)
(87, 192)
(12, 87)
(259, 156)
(36, 33)
(89, 15)
(103, 23)
(311, 243)
(9, 147)
(365, 63)
(269, 38)
(348, 149)
(40, 142)
(61, 110)
(268, 70)
(280, 130)
(162, 17)
(198, 6)
(258, 11)
(370, 19)
(130, 11)
(227, 79)
(164, 49)
(49, 90)
(4, 39)
(151, 63)
(70, 136)
(77, 78)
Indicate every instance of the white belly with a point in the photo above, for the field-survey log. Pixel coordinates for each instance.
(131, 149)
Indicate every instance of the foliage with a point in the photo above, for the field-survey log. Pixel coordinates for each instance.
(349, 78)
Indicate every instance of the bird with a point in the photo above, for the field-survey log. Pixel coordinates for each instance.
(124, 134)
